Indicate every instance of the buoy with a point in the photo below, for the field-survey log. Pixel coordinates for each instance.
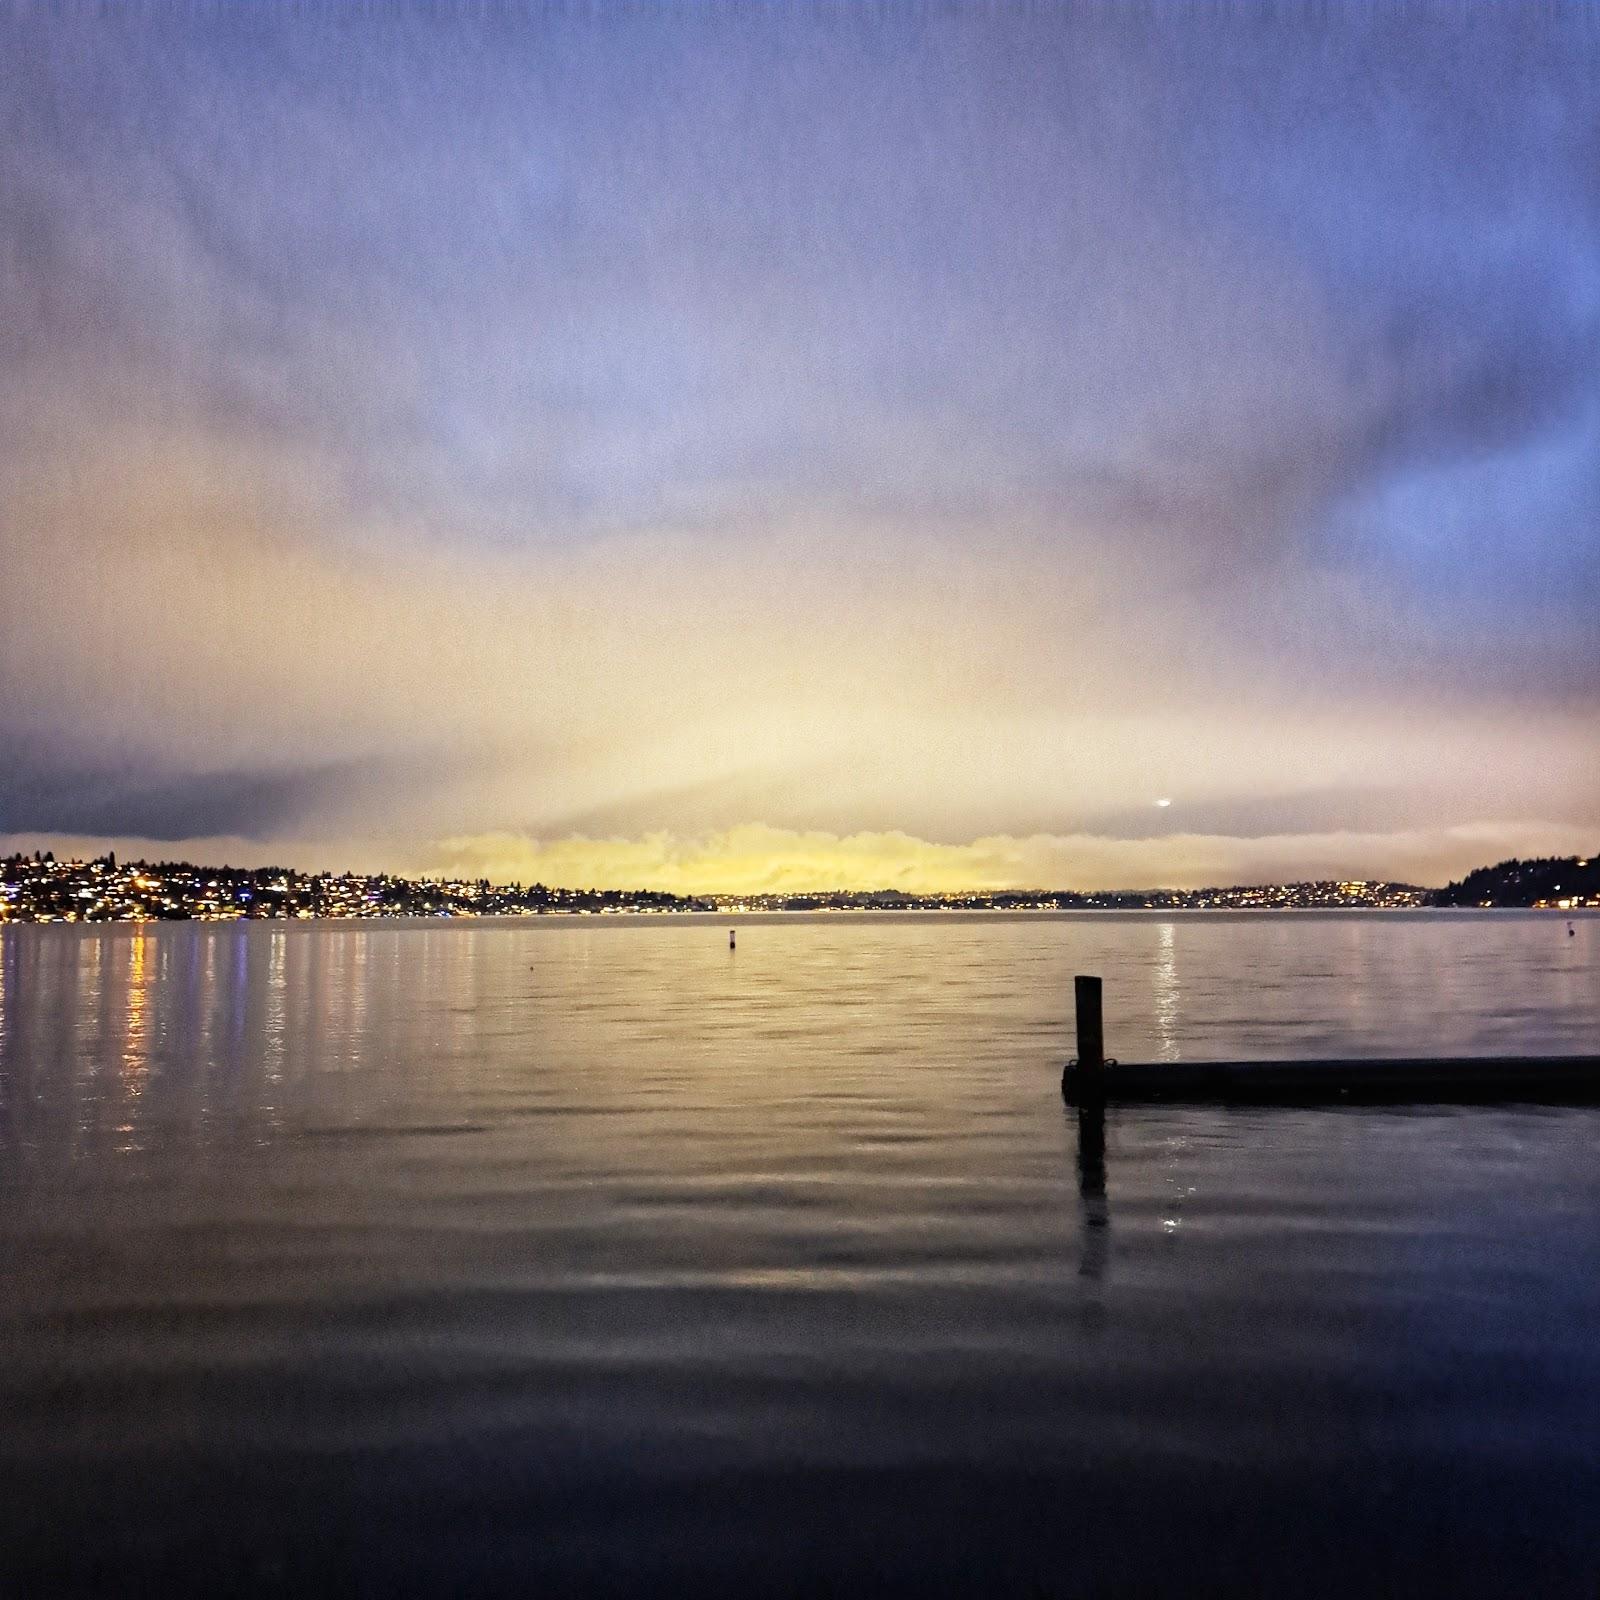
(731, 944)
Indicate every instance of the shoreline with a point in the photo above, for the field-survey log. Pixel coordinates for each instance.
(813, 914)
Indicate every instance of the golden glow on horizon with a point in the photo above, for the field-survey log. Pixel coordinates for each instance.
(757, 859)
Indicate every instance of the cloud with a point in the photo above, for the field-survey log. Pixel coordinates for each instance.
(953, 429)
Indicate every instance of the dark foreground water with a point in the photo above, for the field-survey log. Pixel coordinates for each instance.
(587, 1257)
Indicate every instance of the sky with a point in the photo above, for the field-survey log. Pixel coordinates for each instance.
(802, 447)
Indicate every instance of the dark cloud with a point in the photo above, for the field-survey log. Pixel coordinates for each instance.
(63, 798)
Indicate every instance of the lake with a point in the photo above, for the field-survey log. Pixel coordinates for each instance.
(589, 1256)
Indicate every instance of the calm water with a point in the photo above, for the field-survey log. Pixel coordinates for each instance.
(589, 1257)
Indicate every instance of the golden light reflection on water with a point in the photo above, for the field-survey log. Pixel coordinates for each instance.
(898, 1035)
(135, 1035)
(1165, 975)
(135, 1027)
(7, 1092)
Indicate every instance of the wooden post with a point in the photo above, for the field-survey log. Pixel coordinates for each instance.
(1089, 1073)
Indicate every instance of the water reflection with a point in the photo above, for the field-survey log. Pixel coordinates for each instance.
(477, 1240)
(223, 1032)
(1174, 1162)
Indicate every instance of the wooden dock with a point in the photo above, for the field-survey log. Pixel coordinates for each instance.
(1092, 1079)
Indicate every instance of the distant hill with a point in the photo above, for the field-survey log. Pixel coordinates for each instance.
(1546, 881)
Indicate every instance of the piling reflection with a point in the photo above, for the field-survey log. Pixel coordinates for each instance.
(1095, 1207)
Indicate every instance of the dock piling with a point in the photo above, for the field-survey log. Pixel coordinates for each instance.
(1087, 1072)
(1091, 1080)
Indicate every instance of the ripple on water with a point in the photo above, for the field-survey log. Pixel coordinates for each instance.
(471, 1258)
